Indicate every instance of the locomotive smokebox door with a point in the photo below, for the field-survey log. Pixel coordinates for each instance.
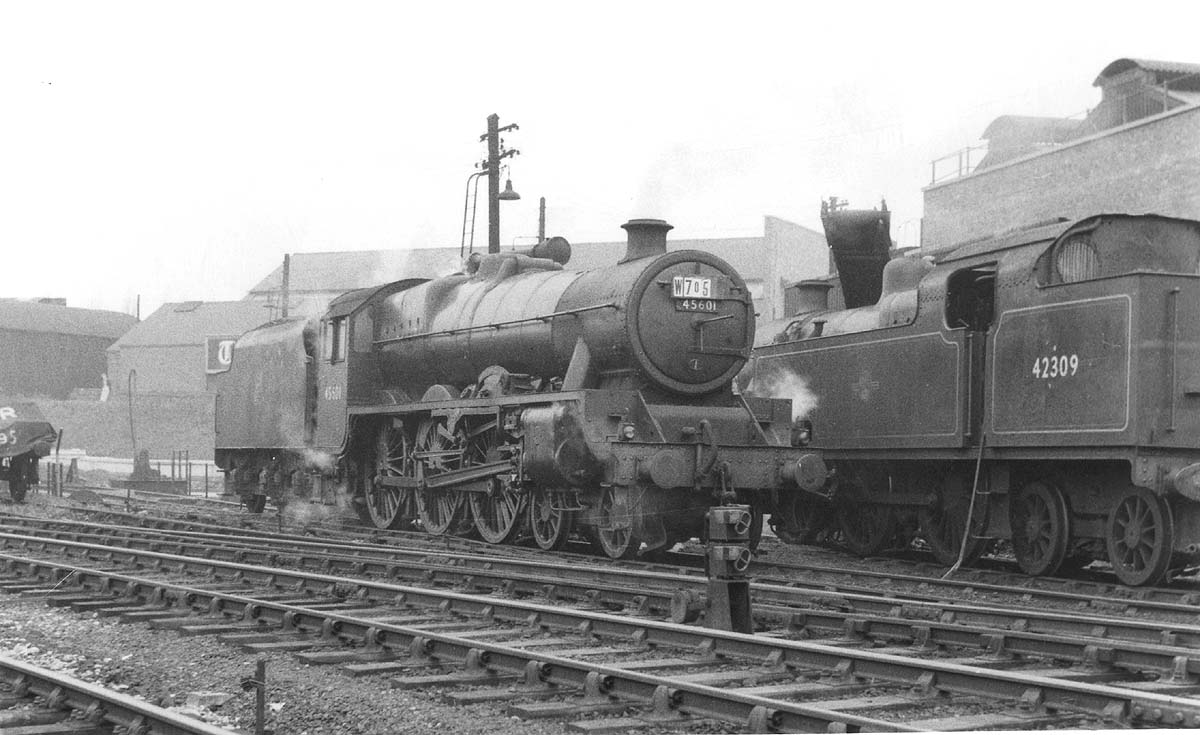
(711, 317)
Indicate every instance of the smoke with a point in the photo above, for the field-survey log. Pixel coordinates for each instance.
(318, 459)
(782, 383)
(333, 505)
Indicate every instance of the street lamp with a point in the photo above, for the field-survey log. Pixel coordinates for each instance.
(489, 167)
(508, 195)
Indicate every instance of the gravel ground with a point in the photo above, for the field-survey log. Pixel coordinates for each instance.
(163, 667)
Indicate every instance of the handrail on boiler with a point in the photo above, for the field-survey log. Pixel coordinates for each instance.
(496, 325)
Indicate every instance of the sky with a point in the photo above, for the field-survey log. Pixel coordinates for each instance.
(176, 151)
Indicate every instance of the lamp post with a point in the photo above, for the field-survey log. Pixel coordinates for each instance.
(496, 154)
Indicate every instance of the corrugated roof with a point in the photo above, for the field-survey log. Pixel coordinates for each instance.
(188, 323)
(1163, 69)
(31, 316)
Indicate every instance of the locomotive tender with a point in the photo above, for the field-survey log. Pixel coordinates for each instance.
(1044, 384)
(517, 398)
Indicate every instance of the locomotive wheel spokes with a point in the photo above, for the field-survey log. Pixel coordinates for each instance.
(440, 511)
(498, 511)
(866, 528)
(549, 521)
(390, 507)
(616, 543)
(1140, 535)
(944, 521)
(1040, 529)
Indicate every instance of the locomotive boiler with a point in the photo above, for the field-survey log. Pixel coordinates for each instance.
(1038, 388)
(519, 399)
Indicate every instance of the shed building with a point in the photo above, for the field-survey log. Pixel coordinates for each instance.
(784, 253)
(51, 350)
(168, 352)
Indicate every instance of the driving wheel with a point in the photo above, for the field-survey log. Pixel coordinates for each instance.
(799, 520)
(392, 456)
(944, 521)
(867, 528)
(1139, 537)
(1040, 526)
(441, 510)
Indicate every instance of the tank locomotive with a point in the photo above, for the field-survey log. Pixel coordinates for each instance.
(517, 399)
(1040, 388)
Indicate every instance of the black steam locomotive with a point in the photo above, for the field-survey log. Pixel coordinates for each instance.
(517, 399)
(1041, 387)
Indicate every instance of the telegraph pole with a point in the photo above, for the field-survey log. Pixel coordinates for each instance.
(496, 153)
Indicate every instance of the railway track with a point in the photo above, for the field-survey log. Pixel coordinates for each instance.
(913, 666)
(1156, 644)
(916, 581)
(37, 700)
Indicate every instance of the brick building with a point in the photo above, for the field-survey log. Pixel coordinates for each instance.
(1138, 152)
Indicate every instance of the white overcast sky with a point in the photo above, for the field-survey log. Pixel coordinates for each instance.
(178, 150)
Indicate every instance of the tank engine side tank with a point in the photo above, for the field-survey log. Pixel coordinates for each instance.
(1045, 374)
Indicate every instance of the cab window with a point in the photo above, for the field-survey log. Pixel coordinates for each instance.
(335, 339)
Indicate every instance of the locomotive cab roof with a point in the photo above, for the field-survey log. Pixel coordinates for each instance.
(1126, 247)
(350, 301)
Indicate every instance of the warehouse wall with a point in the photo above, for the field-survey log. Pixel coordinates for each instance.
(1148, 166)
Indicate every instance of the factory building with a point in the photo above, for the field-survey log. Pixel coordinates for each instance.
(1136, 152)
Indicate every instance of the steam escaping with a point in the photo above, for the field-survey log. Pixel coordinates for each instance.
(783, 383)
(318, 459)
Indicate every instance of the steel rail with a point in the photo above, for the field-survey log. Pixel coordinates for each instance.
(664, 692)
(1131, 645)
(1111, 703)
(98, 704)
(1081, 593)
(1023, 631)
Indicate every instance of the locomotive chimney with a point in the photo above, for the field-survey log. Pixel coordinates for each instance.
(646, 237)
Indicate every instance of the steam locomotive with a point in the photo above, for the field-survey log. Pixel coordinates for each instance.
(517, 399)
(1041, 387)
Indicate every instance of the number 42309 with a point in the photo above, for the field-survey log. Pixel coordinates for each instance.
(1055, 366)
